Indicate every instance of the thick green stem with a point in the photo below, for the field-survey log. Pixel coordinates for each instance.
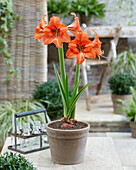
(63, 73)
(62, 66)
(76, 81)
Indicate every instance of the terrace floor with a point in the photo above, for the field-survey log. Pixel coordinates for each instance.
(104, 151)
(125, 146)
(110, 145)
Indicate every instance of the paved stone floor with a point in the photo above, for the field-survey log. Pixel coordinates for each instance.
(105, 151)
(100, 154)
(104, 148)
(125, 146)
(102, 113)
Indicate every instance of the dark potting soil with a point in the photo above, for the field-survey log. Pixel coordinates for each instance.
(58, 125)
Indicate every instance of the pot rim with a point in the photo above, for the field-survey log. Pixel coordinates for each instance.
(62, 130)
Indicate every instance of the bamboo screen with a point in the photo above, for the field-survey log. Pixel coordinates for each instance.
(28, 55)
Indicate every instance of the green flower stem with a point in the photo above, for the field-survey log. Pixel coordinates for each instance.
(76, 81)
(63, 74)
(62, 66)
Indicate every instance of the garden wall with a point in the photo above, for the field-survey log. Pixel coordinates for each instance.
(28, 55)
(114, 16)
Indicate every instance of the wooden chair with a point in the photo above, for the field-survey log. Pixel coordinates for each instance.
(89, 63)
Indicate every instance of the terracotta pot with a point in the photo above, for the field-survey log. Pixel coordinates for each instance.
(67, 146)
(133, 129)
(116, 102)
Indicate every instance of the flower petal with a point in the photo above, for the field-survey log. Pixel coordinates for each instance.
(38, 35)
(39, 29)
(54, 22)
(97, 44)
(80, 58)
(43, 22)
(75, 28)
(65, 38)
(91, 54)
(47, 40)
(62, 28)
(57, 42)
(70, 54)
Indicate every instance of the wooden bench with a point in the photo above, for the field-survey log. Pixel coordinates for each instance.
(103, 32)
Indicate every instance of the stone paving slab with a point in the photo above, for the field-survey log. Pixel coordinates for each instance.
(101, 117)
(129, 168)
(126, 149)
(100, 112)
(100, 155)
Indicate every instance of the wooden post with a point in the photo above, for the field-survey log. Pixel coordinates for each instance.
(70, 72)
(84, 74)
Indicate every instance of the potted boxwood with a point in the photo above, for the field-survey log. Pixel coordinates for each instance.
(120, 87)
(60, 8)
(88, 9)
(129, 107)
(67, 137)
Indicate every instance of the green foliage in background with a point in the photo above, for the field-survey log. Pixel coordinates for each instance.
(88, 7)
(7, 111)
(10, 161)
(120, 83)
(49, 94)
(130, 106)
(125, 62)
(7, 16)
(59, 7)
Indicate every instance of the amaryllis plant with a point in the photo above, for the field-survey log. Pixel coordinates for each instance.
(80, 47)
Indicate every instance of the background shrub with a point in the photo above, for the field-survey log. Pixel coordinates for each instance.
(49, 94)
(120, 83)
(14, 162)
(124, 63)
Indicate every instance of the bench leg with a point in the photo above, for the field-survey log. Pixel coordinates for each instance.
(101, 80)
(70, 72)
(84, 74)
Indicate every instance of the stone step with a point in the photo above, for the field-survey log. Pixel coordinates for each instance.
(101, 117)
(109, 126)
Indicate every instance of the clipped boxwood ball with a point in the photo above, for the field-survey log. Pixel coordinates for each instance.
(120, 83)
(10, 161)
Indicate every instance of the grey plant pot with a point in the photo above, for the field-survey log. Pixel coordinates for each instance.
(64, 20)
(87, 20)
(133, 129)
(67, 147)
(116, 102)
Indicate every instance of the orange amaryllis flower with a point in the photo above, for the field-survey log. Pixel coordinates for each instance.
(39, 29)
(75, 28)
(55, 32)
(80, 48)
(97, 45)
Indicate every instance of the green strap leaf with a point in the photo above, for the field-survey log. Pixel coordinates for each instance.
(62, 66)
(62, 91)
(77, 97)
(67, 91)
(74, 93)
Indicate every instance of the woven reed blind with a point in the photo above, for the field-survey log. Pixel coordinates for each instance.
(28, 55)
